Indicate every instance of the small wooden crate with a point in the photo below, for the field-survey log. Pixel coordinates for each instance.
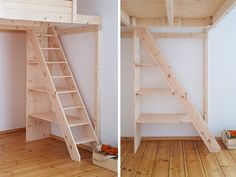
(229, 143)
(102, 161)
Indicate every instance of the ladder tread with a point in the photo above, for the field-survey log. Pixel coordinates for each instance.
(60, 77)
(162, 118)
(50, 48)
(55, 62)
(145, 64)
(74, 121)
(59, 90)
(85, 140)
(72, 107)
(45, 35)
(150, 91)
(33, 62)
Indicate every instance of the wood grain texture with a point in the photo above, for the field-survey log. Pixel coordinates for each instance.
(177, 158)
(43, 158)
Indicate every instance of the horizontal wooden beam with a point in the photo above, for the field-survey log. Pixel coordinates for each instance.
(78, 29)
(226, 7)
(183, 22)
(125, 18)
(88, 19)
(170, 35)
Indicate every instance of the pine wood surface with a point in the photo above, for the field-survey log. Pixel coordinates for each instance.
(175, 158)
(43, 158)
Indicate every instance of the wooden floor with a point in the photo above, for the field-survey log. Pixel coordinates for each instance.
(43, 158)
(176, 159)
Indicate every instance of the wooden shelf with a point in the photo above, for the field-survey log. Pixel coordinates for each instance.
(38, 89)
(45, 35)
(85, 140)
(144, 64)
(150, 91)
(51, 117)
(47, 116)
(162, 118)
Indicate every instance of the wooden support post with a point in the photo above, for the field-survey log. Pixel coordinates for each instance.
(97, 120)
(74, 10)
(170, 11)
(205, 80)
(137, 99)
(182, 96)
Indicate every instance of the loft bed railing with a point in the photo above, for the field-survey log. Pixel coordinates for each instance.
(58, 11)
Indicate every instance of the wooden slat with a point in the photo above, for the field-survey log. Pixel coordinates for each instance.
(170, 11)
(210, 163)
(78, 29)
(193, 163)
(193, 114)
(162, 118)
(162, 161)
(147, 160)
(125, 18)
(151, 91)
(130, 166)
(176, 160)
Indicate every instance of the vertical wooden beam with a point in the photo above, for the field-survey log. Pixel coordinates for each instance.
(137, 99)
(205, 80)
(97, 120)
(74, 10)
(170, 11)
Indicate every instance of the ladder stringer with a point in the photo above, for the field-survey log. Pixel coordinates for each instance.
(182, 96)
(61, 118)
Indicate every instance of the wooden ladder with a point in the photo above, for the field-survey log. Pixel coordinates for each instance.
(191, 115)
(68, 109)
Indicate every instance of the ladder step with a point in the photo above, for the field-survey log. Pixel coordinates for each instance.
(51, 48)
(162, 118)
(72, 107)
(60, 77)
(58, 90)
(55, 62)
(33, 62)
(45, 35)
(144, 64)
(85, 140)
(74, 121)
(150, 91)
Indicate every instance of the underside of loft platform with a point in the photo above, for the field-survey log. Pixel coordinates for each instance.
(192, 13)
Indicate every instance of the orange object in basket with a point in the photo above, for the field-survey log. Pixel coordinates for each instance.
(232, 133)
(109, 149)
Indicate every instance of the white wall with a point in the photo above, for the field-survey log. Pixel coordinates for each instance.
(109, 64)
(12, 81)
(186, 56)
(222, 72)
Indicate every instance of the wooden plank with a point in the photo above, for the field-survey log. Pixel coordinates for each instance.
(184, 22)
(210, 163)
(147, 160)
(205, 80)
(130, 166)
(162, 161)
(170, 35)
(180, 93)
(162, 118)
(226, 161)
(88, 20)
(126, 148)
(125, 18)
(225, 8)
(170, 11)
(137, 101)
(193, 163)
(176, 160)
(78, 29)
(74, 10)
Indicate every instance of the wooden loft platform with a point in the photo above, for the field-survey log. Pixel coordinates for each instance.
(24, 14)
(191, 13)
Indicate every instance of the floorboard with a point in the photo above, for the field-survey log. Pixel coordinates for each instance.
(162, 158)
(43, 158)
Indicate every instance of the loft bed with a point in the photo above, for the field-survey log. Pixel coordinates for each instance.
(52, 95)
(139, 21)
